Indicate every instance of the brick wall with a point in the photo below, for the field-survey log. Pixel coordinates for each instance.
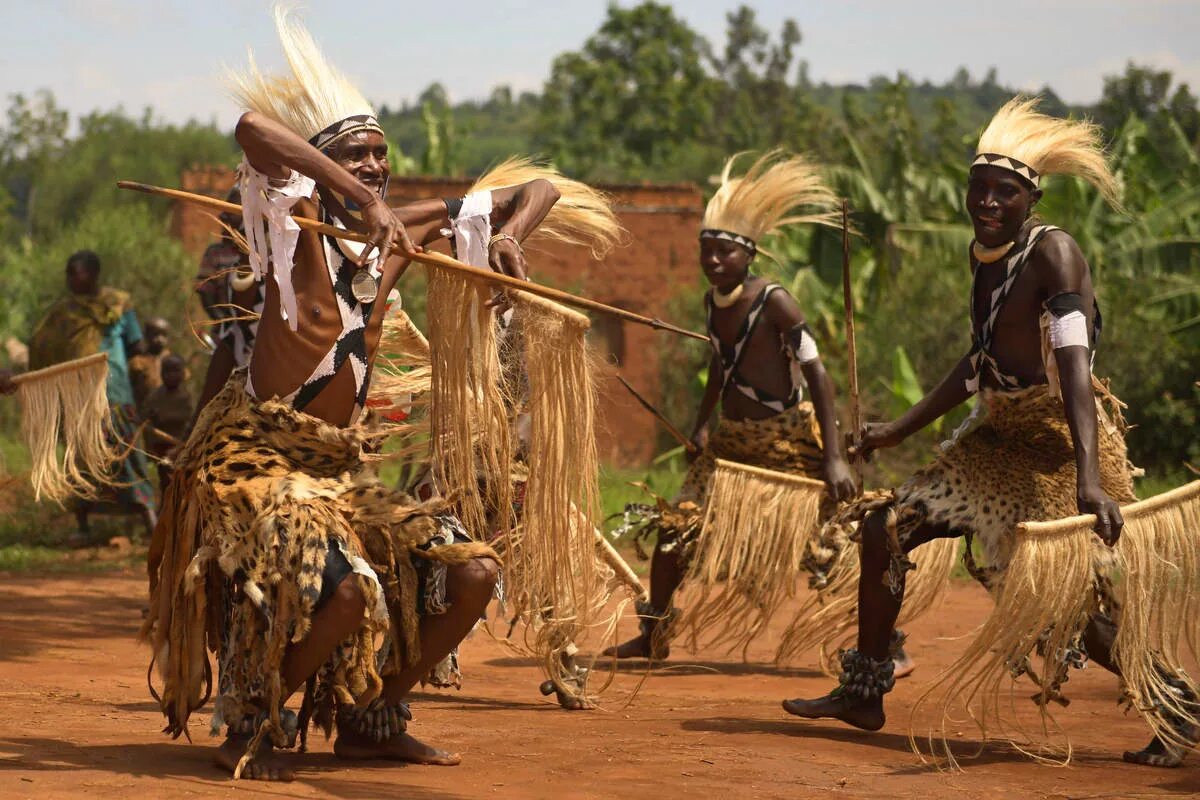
(658, 262)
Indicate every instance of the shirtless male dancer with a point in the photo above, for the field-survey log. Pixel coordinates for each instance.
(1041, 447)
(761, 348)
(278, 547)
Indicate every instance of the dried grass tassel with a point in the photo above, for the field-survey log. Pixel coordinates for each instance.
(1042, 605)
(472, 445)
(555, 577)
(747, 558)
(68, 402)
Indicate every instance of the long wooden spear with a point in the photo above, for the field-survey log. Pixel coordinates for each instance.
(434, 260)
(687, 443)
(851, 352)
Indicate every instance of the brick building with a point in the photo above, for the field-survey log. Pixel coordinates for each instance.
(657, 264)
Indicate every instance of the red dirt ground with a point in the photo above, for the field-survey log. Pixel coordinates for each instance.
(76, 719)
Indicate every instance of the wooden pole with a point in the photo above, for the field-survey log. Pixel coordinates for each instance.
(1180, 494)
(687, 443)
(55, 369)
(770, 474)
(851, 352)
(435, 260)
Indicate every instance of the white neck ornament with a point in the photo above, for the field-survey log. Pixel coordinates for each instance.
(989, 255)
(726, 300)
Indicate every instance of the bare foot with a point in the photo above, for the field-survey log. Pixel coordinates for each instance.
(1157, 754)
(639, 647)
(401, 747)
(904, 664)
(865, 714)
(266, 766)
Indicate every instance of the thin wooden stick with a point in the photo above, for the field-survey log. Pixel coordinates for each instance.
(1131, 511)
(433, 259)
(687, 443)
(799, 480)
(851, 351)
(620, 566)
(55, 369)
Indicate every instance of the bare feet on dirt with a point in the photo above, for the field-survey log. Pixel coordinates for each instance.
(904, 664)
(1158, 753)
(639, 647)
(865, 714)
(266, 766)
(401, 747)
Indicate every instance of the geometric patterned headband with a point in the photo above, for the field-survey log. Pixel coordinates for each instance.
(345, 127)
(744, 241)
(1009, 163)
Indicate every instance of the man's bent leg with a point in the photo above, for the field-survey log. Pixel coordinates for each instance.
(1098, 639)
(339, 613)
(469, 589)
(652, 642)
(868, 672)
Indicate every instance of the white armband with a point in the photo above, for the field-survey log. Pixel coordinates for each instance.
(804, 351)
(1068, 331)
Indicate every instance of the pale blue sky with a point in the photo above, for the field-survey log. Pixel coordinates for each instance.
(168, 54)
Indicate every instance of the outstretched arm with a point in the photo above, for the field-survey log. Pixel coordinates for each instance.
(785, 315)
(948, 394)
(275, 151)
(1065, 280)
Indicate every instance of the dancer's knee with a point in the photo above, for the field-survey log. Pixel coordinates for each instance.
(347, 605)
(474, 580)
(875, 540)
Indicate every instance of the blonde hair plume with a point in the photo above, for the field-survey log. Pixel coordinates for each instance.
(765, 197)
(313, 97)
(582, 215)
(1049, 145)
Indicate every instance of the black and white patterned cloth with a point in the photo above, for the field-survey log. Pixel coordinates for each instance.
(732, 354)
(730, 236)
(981, 335)
(345, 127)
(1009, 163)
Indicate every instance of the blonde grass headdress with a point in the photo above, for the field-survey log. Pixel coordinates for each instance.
(747, 208)
(581, 216)
(1031, 144)
(317, 102)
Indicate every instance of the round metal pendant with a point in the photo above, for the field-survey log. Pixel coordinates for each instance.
(364, 286)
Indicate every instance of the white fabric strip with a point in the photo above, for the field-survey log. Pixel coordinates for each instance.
(806, 352)
(1068, 331)
(472, 229)
(265, 200)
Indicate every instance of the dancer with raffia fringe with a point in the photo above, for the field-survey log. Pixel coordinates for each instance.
(91, 319)
(530, 471)
(1046, 440)
(278, 547)
(762, 349)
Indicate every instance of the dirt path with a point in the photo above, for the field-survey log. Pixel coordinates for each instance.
(75, 719)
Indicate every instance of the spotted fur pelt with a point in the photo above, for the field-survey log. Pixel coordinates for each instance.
(260, 493)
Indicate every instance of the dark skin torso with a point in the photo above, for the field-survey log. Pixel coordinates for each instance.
(765, 364)
(284, 358)
(1055, 266)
